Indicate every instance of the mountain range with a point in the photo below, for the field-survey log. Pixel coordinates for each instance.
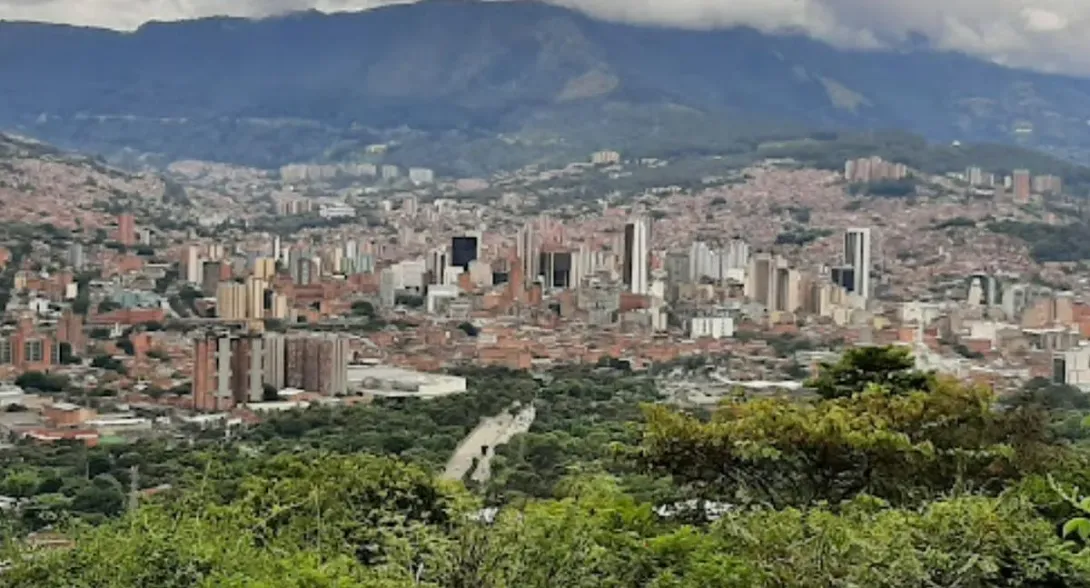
(454, 83)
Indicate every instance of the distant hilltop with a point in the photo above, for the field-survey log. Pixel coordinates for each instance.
(446, 75)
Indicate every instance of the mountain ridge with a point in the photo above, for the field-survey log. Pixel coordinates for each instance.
(295, 87)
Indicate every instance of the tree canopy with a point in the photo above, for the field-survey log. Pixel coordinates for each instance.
(860, 367)
(890, 481)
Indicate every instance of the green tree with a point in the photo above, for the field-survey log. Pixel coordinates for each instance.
(34, 380)
(904, 448)
(891, 367)
(363, 308)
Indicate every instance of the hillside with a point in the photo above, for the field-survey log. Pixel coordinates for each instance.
(456, 74)
(43, 186)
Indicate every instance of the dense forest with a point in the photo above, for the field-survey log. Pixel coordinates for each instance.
(880, 476)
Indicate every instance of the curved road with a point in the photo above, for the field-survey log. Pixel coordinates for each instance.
(493, 432)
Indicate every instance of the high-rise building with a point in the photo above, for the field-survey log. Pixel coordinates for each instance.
(274, 369)
(227, 370)
(76, 257)
(210, 277)
(1047, 184)
(317, 363)
(788, 297)
(1022, 185)
(678, 269)
(984, 290)
(193, 267)
(528, 250)
(421, 175)
(556, 269)
(438, 261)
(216, 251)
(974, 176)
(637, 255)
(265, 268)
(762, 285)
(255, 297)
(231, 300)
(126, 229)
(304, 271)
(464, 250)
(857, 254)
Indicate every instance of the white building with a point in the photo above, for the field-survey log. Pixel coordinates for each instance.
(1072, 368)
(11, 394)
(193, 266)
(857, 254)
(380, 380)
(336, 211)
(438, 295)
(729, 262)
(421, 175)
(637, 255)
(605, 158)
(714, 327)
(389, 172)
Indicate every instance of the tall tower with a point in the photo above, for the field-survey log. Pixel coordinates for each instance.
(529, 254)
(1022, 185)
(857, 254)
(637, 255)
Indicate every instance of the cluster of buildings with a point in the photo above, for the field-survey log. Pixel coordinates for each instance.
(532, 272)
(1021, 183)
(302, 173)
(234, 368)
(873, 169)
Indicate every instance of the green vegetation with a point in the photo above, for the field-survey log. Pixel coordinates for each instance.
(887, 478)
(955, 223)
(42, 382)
(801, 236)
(424, 431)
(579, 418)
(1050, 242)
(107, 362)
(860, 367)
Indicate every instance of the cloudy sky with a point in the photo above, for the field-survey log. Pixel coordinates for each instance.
(1052, 35)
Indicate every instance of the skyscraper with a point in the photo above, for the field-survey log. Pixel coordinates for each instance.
(857, 254)
(556, 269)
(438, 261)
(193, 268)
(637, 255)
(528, 250)
(762, 280)
(463, 251)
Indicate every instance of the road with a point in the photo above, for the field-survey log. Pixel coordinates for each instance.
(493, 432)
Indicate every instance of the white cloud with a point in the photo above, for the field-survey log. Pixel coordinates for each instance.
(1052, 34)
